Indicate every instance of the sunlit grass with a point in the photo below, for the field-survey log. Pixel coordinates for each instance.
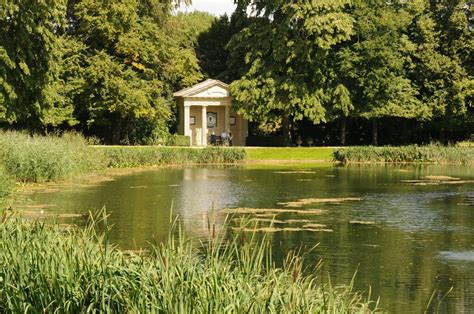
(290, 153)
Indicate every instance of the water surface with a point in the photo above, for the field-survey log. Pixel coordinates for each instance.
(421, 241)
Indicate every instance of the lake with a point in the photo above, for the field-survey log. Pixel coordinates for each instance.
(408, 231)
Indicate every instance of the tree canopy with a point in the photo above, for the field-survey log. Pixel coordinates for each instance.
(109, 68)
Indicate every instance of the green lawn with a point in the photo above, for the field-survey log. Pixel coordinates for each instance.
(290, 153)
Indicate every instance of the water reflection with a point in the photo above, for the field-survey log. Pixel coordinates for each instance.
(422, 240)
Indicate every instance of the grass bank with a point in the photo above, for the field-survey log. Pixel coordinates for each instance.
(137, 156)
(429, 154)
(49, 269)
(51, 158)
(323, 154)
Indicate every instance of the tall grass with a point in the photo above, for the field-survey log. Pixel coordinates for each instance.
(121, 157)
(430, 153)
(51, 158)
(5, 188)
(47, 269)
(41, 159)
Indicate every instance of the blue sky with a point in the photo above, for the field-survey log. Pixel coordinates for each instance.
(216, 7)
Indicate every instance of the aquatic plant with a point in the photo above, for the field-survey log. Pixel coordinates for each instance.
(5, 187)
(47, 268)
(124, 157)
(47, 158)
(413, 153)
(50, 158)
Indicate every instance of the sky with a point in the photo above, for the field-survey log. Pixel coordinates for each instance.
(216, 7)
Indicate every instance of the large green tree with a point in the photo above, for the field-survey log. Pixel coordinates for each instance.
(136, 57)
(377, 60)
(285, 47)
(443, 66)
(27, 43)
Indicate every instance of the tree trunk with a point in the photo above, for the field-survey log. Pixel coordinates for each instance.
(116, 130)
(442, 134)
(287, 129)
(343, 131)
(405, 132)
(375, 140)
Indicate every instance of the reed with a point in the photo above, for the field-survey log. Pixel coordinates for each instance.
(5, 188)
(49, 269)
(47, 158)
(389, 154)
(138, 156)
(51, 158)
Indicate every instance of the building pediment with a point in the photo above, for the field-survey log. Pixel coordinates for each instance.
(207, 89)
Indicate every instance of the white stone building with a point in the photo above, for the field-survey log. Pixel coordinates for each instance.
(205, 110)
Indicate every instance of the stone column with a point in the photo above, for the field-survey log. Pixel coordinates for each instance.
(187, 130)
(204, 126)
(226, 119)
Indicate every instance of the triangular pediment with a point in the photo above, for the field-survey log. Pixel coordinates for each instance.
(207, 89)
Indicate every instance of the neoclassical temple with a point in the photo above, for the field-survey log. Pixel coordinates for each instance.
(205, 111)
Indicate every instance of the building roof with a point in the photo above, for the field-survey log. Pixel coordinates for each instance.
(190, 91)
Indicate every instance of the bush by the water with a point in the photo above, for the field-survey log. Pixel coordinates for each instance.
(121, 156)
(430, 153)
(47, 158)
(49, 269)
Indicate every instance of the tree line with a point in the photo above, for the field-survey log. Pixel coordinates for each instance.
(319, 68)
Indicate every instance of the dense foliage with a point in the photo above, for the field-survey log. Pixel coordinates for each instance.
(109, 68)
(322, 61)
(76, 270)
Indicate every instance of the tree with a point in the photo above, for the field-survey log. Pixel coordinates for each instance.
(376, 63)
(136, 57)
(285, 46)
(27, 39)
(443, 59)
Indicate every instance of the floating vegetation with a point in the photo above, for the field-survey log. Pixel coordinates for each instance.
(310, 201)
(265, 215)
(434, 180)
(274, 229)
(173, 185)
(38, 206)
(295, 172)
(272, 221)
(314, 226)
(441, 178)
(362, 222)
(245, 210)
(37, 214)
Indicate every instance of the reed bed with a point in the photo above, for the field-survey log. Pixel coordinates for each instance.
(51, 158)
(138, 156)
(47, 158)
(5, 187)
(49, 269)
(389, 154)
